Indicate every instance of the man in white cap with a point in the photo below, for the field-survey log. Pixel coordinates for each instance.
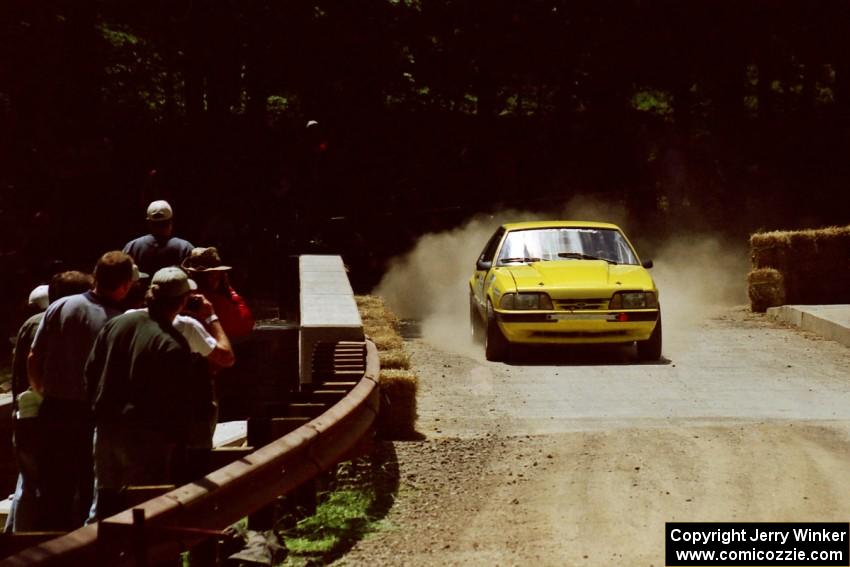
(159, 248)
(23, 513)
(38, 297)
(143, 380)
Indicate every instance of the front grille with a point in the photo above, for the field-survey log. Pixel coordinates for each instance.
(524, 318)
(581, 304)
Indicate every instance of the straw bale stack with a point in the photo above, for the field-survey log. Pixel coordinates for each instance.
(374, 313)
(766, 288)
(397, 359)
(814, 264)
(397, 418)
(385, 338)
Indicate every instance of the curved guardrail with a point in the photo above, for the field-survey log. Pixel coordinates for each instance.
(165, 525)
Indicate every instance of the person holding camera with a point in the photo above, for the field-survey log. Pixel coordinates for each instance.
(205, 267)
(143, 381)
(204, 332)
(205, 335)
(201, 327)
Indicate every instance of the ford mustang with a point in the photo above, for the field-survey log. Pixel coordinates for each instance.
(563, 282)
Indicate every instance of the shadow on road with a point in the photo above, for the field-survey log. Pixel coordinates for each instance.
(579, 355)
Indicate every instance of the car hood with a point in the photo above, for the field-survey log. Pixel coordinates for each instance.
(570, 275)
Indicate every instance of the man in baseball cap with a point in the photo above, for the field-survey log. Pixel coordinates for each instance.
(55, 368)
(159, 211)
(159, 248)
(144, 381)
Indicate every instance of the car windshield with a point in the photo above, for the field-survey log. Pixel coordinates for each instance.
(546, 244)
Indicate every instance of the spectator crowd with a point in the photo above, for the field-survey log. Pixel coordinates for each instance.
(113, 379)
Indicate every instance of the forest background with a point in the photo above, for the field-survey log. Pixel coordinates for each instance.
(725, 117)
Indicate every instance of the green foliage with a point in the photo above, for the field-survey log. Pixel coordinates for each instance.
(340, 519)
(118, 38)
(137, 79)
(276, 106)
(654, 101)
(362, 492)
(343, 517)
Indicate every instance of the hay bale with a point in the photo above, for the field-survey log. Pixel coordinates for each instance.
(770, 249)
(766, 288)
(395, 359)
(369, 301)
(374, 313)
(814, 263)
(397, 415)
(386, 339)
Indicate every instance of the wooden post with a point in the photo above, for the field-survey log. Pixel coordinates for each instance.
(140, 550)
(259, 434)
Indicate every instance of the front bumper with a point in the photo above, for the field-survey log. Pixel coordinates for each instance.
(577, 327)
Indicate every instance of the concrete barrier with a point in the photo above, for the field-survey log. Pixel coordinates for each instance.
(829, 321)
(328, 311)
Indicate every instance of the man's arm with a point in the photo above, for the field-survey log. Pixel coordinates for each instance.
(23, 342)
(35, 358)
(93, 370)
(34, 373)
(222, 355)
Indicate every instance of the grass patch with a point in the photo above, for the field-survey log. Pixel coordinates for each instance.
(342, 518)
(361, 494)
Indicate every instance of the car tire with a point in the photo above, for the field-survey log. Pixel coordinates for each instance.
(650, 349)
(476, 327)
(496, 346)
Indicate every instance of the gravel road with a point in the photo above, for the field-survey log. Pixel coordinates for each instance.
(579, 457)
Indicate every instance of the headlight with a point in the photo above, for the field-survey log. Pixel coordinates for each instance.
(634, 300)
(525, 301)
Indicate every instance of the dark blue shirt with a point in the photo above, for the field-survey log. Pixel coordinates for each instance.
(64, 339)
(151, 254)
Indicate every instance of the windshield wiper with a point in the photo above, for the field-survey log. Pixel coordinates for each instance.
(580, 256)
(518, 259)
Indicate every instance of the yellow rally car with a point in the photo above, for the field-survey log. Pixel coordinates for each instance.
(563, 282)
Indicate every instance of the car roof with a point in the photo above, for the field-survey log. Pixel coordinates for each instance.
(558, 224)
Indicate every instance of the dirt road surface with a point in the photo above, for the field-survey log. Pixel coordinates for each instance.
(580, 458)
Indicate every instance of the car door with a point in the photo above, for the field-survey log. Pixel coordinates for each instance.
(483, 266)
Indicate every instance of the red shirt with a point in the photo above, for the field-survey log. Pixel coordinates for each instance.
(235, 316)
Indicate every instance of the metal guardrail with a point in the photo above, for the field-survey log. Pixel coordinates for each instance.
(168, 524)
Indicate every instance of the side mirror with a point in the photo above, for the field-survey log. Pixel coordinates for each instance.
(646, 264)
(483, 265)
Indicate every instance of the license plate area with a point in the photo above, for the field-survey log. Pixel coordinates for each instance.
(581, 317)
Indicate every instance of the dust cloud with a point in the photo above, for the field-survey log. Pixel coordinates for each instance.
(696, 275)
(430, 284)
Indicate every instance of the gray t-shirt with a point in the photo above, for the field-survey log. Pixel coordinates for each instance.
(64, 339)
(151, 254)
